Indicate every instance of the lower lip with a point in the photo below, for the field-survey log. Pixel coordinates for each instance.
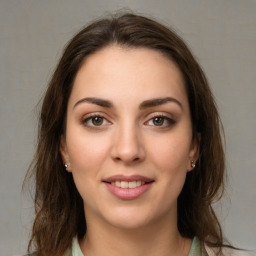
(128, 193)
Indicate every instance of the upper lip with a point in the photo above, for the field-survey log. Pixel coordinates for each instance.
(121, 177)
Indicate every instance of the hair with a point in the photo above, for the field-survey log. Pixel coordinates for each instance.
(59, 211)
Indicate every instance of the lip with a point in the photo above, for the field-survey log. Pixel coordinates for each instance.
(128, 193)
(127, 178)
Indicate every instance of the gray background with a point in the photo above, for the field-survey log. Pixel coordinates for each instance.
(222, 35)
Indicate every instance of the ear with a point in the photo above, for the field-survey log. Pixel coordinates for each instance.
(194, 152)
(64, 153)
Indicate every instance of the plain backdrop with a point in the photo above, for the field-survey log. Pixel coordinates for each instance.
(221, 34)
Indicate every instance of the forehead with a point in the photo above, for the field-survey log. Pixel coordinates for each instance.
(120, 72)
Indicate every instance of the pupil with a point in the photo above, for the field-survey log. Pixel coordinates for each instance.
(158, 121)
(97, 120)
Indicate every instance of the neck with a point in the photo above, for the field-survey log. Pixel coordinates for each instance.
(159, 239)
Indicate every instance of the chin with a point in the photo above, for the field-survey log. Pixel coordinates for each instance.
(130, 219)
(128, 223)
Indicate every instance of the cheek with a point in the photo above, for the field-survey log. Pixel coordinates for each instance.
(87, 154)
(169, 159)
(171, 153)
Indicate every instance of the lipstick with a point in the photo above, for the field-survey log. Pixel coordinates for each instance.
(128, 187)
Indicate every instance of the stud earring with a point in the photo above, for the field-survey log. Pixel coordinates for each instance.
(66, 166)
(193, 165)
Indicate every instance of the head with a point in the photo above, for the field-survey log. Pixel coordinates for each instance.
(57, 200)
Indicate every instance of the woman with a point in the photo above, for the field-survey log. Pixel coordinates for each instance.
(129, 156)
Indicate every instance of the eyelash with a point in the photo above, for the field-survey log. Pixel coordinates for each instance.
(86, 120)
(169, 121)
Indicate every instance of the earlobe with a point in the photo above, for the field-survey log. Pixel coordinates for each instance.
(194, 153)
(64, 153)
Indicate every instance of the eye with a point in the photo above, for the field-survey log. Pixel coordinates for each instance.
(158, 121)
(95, 121)
(161, 121)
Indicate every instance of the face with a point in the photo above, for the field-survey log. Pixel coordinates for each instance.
(128, 140)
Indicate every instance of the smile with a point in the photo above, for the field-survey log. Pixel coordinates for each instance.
(128, 184)
(128, 187)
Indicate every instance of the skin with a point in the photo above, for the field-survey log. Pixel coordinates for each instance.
(129, 141)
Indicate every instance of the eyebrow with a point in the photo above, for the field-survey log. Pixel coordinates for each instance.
(145, 104)
(96, 101)
(159, 101)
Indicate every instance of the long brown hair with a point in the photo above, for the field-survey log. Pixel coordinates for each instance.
(58, 205)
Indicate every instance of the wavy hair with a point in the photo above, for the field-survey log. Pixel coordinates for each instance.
(59, 212)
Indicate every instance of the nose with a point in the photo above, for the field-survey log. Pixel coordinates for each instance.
(128, 146)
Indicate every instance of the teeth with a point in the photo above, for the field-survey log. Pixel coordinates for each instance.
(124, 184)
(132, 184)
(128, 184)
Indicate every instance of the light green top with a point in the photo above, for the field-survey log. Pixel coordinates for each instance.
(76, 250)
(194, 250)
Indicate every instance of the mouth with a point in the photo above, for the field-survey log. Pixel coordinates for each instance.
(132, 181)
(128, 184)
(128, 187)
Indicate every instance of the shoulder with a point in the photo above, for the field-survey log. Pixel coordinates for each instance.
(228, 252)
(68, 253)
